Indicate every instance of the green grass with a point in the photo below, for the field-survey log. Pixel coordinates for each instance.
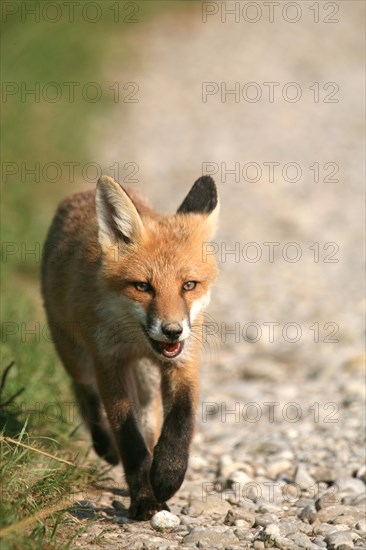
(40, 489)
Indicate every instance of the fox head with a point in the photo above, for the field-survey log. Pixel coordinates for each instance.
(154, 265)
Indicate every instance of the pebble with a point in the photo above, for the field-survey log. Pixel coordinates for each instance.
(325, 528)
(358, 502)
(197, 462)
(212, 537)
(301, 540)
(284, 543)
(164, 520)
(331, 513)
(320, 542)
(303, 478)
(329, 498)
(307, 514)
(289, 526)
(265, 519)
(303, 502)
(361, 525)
(239, 514)
(347, 520)
(270, 508)
(212, 504)
(272, 531)
(339, 540)
(350, 485)
(326, 473)
(279, 467)
(241, 534)
(239, 477)
(188, 520)
(227, 466)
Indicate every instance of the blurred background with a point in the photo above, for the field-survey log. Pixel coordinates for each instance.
(153, 93)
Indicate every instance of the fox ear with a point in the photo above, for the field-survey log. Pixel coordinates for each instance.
(118, 219)
(203, 199)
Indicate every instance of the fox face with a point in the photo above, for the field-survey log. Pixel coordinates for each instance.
(153, 266)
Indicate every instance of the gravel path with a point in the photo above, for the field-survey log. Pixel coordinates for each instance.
(278, 458)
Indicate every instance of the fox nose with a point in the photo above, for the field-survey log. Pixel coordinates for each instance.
(172, 330)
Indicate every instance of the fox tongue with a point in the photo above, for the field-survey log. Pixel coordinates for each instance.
(170, 348)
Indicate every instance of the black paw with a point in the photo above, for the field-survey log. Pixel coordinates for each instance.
(144, 509)
(166, 476)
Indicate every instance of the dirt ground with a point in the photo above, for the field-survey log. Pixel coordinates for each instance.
(279, 452)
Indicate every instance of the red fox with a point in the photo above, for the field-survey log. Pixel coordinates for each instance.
(124, 290)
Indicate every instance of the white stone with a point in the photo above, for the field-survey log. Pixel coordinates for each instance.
(164, 520)
(303, 478)
(273, 530)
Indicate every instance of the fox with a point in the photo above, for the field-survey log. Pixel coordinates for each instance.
(125, 290)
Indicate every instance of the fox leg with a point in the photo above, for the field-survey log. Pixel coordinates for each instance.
(91, 411)
(116, 385)
(180, 398)
(78, 362)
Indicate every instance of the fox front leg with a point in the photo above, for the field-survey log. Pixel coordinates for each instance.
(136, 460)
(135, 455)
(172, 450)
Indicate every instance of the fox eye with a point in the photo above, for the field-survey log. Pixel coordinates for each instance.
(143, 287)
(189, 285)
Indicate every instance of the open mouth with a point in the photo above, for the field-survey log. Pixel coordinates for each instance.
(167, 349)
